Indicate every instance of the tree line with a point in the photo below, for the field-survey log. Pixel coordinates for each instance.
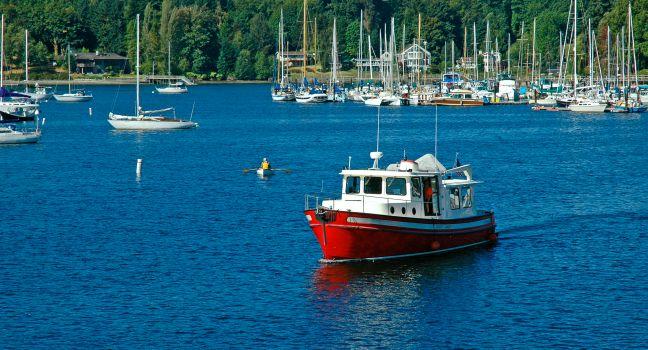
(236, 39)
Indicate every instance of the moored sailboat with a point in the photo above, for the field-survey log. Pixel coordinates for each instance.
(146, 120)
(78, 95)
(171, 88)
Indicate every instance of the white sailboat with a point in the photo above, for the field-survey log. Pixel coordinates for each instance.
(308, 95)
(146, 120)
(388, 97)
(78, 95)
(172, 88)
(9, 135)
(282, 92)
(584, 105)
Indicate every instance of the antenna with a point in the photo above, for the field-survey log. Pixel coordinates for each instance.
(377, 154)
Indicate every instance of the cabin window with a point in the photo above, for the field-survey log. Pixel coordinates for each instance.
(353, 185)
(416, 187)
(466, 197)
(373, 185)
(396, 186)
(454, 198)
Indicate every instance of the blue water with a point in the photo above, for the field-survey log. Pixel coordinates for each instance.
(198, 254)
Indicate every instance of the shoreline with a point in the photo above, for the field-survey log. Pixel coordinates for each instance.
(108, 82)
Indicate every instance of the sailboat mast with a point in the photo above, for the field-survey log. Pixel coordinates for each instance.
(591, 53)
(508, 55)
(369, 48)
(137, 68)
(608, 54)
(419, 49)
(305, 28)
(475, 60)
(281, 48)
(575, 45)
(168, 60)
(360, 50)
(533, 55)
(631, 40)
(26, 58)
(69, 71)
(334, 57)
(2, 53)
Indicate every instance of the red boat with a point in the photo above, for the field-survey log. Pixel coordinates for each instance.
(412, 208)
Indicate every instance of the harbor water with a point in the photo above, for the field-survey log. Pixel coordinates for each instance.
(197, 253)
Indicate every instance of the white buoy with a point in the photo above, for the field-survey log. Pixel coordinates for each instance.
(138, 170)
(43, 123)
(90, 111)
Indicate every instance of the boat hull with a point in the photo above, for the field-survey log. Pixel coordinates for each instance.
(264, 172)
(312, 98)
(594, 108)
(348, 236)
(172, 90)
(19, 138)
(283, 97)
(457, 102)
(73, 98)
(144, 124)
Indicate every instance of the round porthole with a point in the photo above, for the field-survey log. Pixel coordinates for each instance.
(403, 210)
(391, 210)
(413, 211)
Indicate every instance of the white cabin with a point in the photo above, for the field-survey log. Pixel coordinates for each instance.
(400, 190)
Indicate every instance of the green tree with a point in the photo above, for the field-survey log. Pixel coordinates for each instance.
(244, 69)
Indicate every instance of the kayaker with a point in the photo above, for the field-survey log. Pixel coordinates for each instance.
(265, 165)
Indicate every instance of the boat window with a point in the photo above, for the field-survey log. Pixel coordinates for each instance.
(466, 197)
(416, 187)
(396, 186)
(454, 198)
(373, 185)
(353, 184)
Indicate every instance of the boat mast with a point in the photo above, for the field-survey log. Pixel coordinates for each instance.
(370, 63)
(304, 40)
(26, 60)
(137, 68)
(360, 50)
(608, 54)
(2, 54)
(632, 41)
(591, 53)
(508, 56)
(475, 61)
(69, 71)
(575, 44)
(533, 55)
(334, 58)
(419, 49)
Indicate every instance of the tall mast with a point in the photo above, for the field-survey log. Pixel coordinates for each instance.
(26, 58)
(281, 49)
(591, 53)
(2, 53)
(445, 57)
(69, 71)
(508, 55)
(168, 60)
(334, 57)
(533, 57)
(575, 45)
(475, 61)
(369, 48)
(608, 54)
(419, 49)
(631, 41)
(304, 40)
(137, 68)
(360, 50)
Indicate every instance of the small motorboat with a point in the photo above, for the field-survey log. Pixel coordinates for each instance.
(587, 106)
(411, 208)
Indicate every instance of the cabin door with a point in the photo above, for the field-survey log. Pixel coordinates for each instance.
(431, 196)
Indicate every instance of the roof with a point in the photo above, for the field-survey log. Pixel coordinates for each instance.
(98, 56)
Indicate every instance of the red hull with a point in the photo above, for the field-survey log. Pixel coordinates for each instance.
(356, 236)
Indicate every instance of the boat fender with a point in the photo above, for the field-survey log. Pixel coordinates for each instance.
(436, 245)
